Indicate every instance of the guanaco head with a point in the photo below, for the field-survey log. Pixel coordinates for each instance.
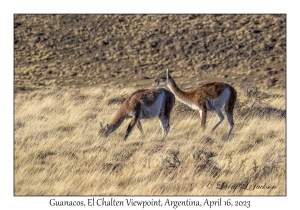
(105, 130)
(163, 79)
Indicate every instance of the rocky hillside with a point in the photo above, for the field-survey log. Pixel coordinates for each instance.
(79, 50)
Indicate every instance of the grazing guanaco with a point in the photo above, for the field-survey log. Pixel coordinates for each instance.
(143, 104)
(209, 97)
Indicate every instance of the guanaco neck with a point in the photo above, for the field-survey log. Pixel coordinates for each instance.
(181, 95)
(118, 120)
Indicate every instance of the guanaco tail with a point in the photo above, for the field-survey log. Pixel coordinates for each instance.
(209, 97)
(143, 104)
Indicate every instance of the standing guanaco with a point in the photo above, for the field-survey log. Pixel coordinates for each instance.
(209, 97)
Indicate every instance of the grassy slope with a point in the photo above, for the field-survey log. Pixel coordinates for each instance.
(58, 151)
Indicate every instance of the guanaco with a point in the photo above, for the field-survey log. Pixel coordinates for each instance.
(143, 104)
(208, 97)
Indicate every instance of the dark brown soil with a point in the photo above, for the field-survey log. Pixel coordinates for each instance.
(80, 50)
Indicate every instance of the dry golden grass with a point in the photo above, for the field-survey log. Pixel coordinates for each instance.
(58, 150)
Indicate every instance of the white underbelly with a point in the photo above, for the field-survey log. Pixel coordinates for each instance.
(191, 105)
(154, 109)
(219, 102)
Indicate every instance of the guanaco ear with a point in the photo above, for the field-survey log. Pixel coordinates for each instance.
(106, 127)
(168, 74)
(101, 125)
